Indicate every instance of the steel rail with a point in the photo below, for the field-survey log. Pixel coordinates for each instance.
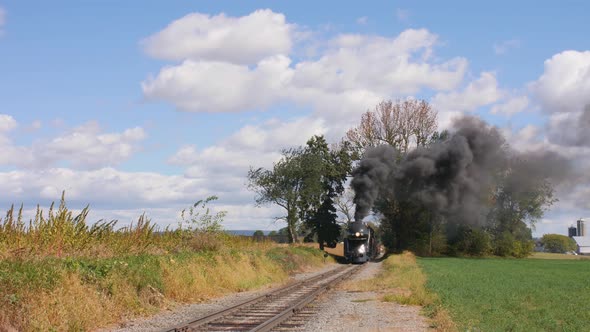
(291, 311)
(190, 325)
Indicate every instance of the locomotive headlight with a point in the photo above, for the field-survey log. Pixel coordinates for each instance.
(357, 234)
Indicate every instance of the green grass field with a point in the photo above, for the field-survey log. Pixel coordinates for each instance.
(512, 294)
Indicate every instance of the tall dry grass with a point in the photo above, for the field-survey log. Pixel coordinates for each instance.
(83, 294)
(59, 273)
(60, 233)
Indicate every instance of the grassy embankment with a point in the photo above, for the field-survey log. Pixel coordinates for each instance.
(57, 273)
(495, 294)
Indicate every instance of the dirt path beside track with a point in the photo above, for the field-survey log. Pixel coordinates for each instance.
(344, 310)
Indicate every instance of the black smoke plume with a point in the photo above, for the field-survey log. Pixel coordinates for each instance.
(453, 178)
(369, 177)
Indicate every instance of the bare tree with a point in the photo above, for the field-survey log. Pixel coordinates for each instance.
(403, 125)
(345, 205)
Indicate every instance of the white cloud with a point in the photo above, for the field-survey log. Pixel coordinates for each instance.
(528, 133)
(506, 45)
(227, 162)
(357, 68)
(539, 138)
(101, 186)
(206, 86)
(388, 66)
(252, 145)
(511, 106)
(7, 123)
(242, 40)
(275, 134)
(564, 92)
(481, 92)
(114, 194)
(570, 129)
(564, 85)
(528, 138)
(362, 20)
(85, 146)
(186, 155)
(249, 216)
(340, 110)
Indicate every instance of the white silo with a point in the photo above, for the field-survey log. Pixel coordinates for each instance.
(582, 227)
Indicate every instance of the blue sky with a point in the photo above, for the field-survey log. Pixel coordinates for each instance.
(127, 108)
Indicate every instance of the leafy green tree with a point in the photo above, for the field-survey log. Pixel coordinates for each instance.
(288, 184)
(319, 214)
(519, 201)
(504, 244)
(472, 241)
(284, 186)
(258, 234)
(558, 243)
(301, 180)
(325, 225)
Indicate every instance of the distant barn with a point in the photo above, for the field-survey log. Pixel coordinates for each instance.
(583, 243)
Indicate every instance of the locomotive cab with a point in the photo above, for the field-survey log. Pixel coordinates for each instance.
(359, 243)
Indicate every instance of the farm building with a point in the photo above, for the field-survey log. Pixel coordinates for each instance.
(583, 243)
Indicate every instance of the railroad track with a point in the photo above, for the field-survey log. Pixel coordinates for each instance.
(268, 311)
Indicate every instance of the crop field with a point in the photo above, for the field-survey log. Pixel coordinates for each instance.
(338, 251)
(512, 294)
(548, 255)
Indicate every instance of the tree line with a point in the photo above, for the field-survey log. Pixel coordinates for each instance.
(309, 183)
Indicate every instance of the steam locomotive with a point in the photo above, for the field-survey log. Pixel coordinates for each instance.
(360, 245)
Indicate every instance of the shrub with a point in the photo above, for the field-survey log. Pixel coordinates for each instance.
(507, 245)
(198, 217)
(558, 243)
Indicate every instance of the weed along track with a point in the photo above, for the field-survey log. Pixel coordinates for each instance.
(273, 310)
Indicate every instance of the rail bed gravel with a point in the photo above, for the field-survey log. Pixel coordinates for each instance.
(339, 310)
(342, 310)
(185, 312)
